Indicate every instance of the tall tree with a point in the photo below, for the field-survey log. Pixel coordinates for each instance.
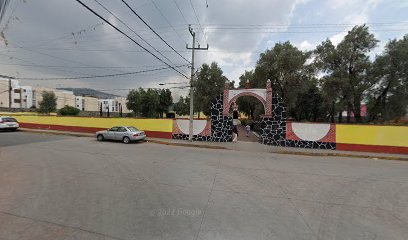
(349, 62)
(150, 103)
(288, 69)
(209, 84)
(48, 103)
(134, 100)
(182, 107)
(388, 98)
(165, 100)
(248, 104)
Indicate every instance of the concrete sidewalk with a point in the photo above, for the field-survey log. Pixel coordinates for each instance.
(248, 147)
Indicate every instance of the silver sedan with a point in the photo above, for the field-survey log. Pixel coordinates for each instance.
(126, 134)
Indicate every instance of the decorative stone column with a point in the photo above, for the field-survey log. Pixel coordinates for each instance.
(268, 105)
(226, 93)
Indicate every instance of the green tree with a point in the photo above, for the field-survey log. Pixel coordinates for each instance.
(209, 84)
(48, 103)
(287, 68)
(182, 107)
(134, 100)
(348, 62)
(388, 98)
(165, 100)
(309, 104)
(150, 103)
(247, 104)
(69, 111)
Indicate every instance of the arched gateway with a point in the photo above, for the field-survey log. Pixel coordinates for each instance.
(274, 128)
(263, 95)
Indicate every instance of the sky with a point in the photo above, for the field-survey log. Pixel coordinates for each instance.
(51, 39)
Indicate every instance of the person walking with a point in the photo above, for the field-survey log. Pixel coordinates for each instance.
(248, 130)
(234, 134)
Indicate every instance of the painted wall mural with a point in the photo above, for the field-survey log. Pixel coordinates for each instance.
(221, 126)
(200, 127)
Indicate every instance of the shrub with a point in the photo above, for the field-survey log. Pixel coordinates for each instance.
(68, 111)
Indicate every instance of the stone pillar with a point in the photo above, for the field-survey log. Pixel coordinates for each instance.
(226, 93)
(268, 110)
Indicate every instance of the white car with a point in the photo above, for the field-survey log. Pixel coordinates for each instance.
(8, 123)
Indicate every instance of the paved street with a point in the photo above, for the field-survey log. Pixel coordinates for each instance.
(60, 187)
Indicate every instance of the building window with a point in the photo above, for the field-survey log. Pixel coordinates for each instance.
(17, 100)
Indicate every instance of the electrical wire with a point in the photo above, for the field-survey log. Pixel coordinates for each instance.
(168, 22)
(117, 29)
(94, 76)
(199, 24)
(120, 20)
(178, 7)
(61, 66)
(158, 35)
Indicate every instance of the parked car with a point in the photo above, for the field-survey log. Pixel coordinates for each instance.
(8, 123)
(126, 134)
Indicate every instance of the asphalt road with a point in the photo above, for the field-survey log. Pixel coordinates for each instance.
(57, 187)
(8, 138)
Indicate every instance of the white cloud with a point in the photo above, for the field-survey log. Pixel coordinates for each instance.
(306, 46)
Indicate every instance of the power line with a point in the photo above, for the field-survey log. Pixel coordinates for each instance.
(153, 30)
(95, 76)
(61, 66)
(178, 7)
(117, 29)
(306, 25)
(61, 70)
(199, 24)
(168, 22)
(120, 20)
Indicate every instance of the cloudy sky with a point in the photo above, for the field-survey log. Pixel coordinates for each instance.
(60, 38)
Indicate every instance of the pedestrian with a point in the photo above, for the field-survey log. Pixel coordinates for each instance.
(248, 130)
(234, 134)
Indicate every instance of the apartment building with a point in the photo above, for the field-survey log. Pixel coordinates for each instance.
(63, 97)
(85, 103)
(114, 105)
(21, 96)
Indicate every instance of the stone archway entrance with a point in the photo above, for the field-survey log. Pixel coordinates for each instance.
(263, 95)
(272, 124)
(230, 96)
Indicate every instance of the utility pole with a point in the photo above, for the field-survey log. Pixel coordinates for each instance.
(190, 136)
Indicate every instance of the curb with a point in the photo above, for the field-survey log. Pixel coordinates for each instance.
(187, 145)
(55, 132)
(313, 154)
(342, 155)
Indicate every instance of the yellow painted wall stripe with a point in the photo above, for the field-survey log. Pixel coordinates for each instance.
(160, 125)
(372, 135)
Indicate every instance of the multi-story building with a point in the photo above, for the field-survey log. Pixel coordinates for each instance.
(63, 97)
(21, 96)
(27, 97)
(85, 103)
(114, 105)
